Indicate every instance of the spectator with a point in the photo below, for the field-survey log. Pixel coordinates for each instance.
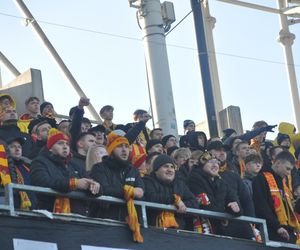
(233, 180)
(32, 105)
(6, 100)
(154, 146)
(84, 142)
(107, 114)
(156, 134)
(162, 186)
(140, 115)
(213, 193)
(181, 157)
(138, 157)
(94, 155)
(149, 162)
(52, 169)
(64, 126)
(19, 171)
(284, 140)
(9, 129)
(188, 126)
(169, 141)
(196, 140)
(242, 151)
(253, 165)
(99, 132)
(113, 173)
(42, 128)
(273, 199)
(47, 111)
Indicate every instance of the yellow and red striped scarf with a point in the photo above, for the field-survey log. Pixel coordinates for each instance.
(62, 205)
(25, 201)
(284, 212)
(166, 219)
(132, 218)
(4, 170)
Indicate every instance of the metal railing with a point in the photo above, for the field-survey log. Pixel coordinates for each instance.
(261, 223)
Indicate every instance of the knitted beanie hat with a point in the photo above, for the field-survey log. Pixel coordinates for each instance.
(165, 139)
(161, 160)
(187, 123)
(54, 136)
(151, 143)
(113, 141)
(138, 155)
(282, 137)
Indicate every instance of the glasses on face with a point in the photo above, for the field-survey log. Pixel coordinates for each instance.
(214, 161)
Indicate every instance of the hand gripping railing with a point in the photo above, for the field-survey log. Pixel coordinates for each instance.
(9, 190)
(9, 206)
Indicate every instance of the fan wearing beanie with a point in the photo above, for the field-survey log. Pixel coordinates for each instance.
(212, 193)
(52, 168)
(163, 186)
(120, 179)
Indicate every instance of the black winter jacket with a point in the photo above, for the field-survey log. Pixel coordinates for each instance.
(160, 192)
(49, 170)
(218, 192)
(112, 176)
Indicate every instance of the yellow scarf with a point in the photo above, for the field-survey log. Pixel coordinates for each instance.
(242, 168)
(166, 219)
(62, 204)
(283, 208)
(4, 170)
(132, 218)
(25, 201)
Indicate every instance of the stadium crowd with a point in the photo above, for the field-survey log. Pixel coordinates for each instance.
(237, 174)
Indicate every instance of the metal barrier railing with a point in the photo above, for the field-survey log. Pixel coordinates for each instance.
(9, 206)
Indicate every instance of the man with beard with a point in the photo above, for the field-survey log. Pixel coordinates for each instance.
(115, 173)
(52, 169)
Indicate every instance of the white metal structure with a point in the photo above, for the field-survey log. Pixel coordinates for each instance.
(286, 38)
(30, 20)
(154, 23)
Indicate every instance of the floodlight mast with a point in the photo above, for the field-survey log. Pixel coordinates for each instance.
(155, 19)
(286, 38)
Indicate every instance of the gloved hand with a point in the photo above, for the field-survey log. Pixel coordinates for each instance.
(270, 128)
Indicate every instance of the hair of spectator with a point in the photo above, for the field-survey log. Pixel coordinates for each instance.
(182, 152)
(30, 99)
(138, 113)
(285, 156)
(273, 150)
(155, 129)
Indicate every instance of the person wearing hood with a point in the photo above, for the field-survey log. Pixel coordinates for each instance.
(163, 186)
(284, 140)
(9, 128)
(196, 140)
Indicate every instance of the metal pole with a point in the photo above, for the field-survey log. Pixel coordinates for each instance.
(204, 67)
(8, 65)
(286, 38)
(209, 24)
(45, 41)
(157, 64)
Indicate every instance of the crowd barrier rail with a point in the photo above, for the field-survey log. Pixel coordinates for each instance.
(11, 188)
